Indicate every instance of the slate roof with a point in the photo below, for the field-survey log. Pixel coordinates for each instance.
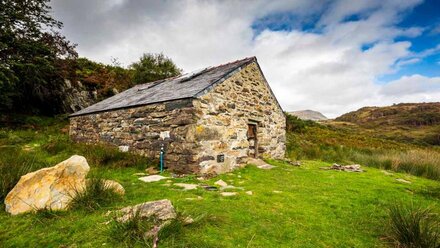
(189, 85)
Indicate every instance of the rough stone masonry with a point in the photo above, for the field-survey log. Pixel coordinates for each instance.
(213, 121)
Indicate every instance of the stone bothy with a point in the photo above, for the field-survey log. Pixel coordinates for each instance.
(208, 121)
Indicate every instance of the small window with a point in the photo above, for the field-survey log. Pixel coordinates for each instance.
(220, 158)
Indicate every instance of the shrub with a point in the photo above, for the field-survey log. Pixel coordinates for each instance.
(94, 196)
(414, 227)
(295, 124)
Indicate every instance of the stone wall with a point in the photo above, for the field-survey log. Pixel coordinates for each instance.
(223, 115)
(143, 130)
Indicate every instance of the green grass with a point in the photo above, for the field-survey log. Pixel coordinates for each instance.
(95, 196)
(315, 208)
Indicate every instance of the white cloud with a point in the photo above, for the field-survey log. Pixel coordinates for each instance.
(410, 85)
(325, 71)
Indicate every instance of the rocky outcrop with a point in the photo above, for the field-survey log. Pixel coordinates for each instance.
(48, 188)
(76, 96)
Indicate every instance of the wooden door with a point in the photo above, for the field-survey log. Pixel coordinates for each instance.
(253, 141)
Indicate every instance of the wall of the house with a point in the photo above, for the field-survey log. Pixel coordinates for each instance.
(223, 115)
(142, 130)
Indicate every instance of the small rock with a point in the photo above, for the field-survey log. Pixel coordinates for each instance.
(296, 163)
(173, 175)
(228, 193)
(113, 185)
(201, 178)
(188, 220)
(221, 183)
(123, 148)
(187, 186)
(192, 199)
(161, 210)
(349, 168)
(249, 192)
(151, 171)
(403, 180)
(152, 178)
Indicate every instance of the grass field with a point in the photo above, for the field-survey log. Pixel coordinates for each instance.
(316, 208)
(349, 143)
(290, 206)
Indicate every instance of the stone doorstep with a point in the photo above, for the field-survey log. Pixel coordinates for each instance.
(260, 164)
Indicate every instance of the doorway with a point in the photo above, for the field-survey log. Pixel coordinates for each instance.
(252, 139)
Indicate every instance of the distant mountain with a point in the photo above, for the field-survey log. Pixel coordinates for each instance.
(309, 115)
(409, 122)
(403, 114)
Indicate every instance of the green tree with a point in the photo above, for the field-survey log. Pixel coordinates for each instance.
(152, 67)
(31, 53)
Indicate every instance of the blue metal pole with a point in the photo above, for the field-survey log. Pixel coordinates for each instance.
(161, 159)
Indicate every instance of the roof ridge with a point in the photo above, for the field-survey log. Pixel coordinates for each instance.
(236, 61)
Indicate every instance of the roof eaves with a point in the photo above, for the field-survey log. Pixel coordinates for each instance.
(125, 107)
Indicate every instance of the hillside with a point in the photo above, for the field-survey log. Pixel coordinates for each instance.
(417, 123)
(309, 115)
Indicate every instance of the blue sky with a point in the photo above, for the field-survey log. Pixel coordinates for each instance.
(425, 15)
(332, 56)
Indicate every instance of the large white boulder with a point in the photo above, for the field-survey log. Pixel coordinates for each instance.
(48, 188)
